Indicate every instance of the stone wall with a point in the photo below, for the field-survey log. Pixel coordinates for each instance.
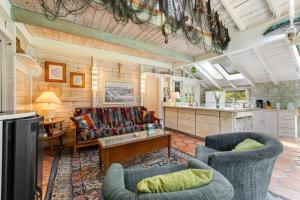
(284, 92)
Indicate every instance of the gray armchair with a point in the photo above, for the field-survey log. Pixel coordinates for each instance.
(120, 184)
(248, 171)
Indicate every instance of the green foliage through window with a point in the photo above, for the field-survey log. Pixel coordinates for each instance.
(235, 96)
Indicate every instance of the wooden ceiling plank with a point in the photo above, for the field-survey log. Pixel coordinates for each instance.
(233, 15)
(275, 9)
(29, 17)
(265, 65)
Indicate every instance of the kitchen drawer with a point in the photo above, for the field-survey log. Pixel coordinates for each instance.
(186, 110)
(171, 109)
(227, 114)
(171, 124)
(285, 123)
(214, 120)
(169, 114)
(289, 132)
(186, 129)
(208, 112)
(186, 116)
(190, 123)
(204, 129)
(286, 114)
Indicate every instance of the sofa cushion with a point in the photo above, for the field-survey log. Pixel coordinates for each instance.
(176, 181)
(202, 153)
(248, 144)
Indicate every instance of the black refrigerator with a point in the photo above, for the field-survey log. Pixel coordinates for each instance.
(21, 157)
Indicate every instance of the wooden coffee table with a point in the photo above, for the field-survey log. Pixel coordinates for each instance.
(124, 147)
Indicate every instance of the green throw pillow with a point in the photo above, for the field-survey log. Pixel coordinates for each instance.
(248, 144)
(177, 181)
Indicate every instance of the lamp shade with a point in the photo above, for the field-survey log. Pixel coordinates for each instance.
(48, 97)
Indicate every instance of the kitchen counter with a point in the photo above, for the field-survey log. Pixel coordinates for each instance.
(221, 109)
(202, 121)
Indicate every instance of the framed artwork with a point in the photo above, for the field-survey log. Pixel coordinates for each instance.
(118, 92)
(55, 72)
(77, 80)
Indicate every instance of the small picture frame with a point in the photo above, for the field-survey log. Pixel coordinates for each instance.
(77, 80)
(55, 72)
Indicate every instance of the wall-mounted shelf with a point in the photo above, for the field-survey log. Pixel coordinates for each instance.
(28, 64)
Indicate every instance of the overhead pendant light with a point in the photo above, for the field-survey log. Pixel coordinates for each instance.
(292, 31)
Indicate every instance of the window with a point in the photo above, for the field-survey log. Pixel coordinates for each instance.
(236, 96)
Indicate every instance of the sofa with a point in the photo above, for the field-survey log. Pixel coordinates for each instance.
(248, 171)
(120, 184)
(94, 123)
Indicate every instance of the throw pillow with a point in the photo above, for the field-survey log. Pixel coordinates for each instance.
(84, 122)
(247, 145)
(146, 117)
(177, 181)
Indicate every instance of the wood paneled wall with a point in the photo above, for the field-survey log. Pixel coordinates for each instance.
(109, 70)
(70, 97)
(20, 90)
(82, 97)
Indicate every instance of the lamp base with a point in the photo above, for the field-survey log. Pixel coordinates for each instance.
(48, 113)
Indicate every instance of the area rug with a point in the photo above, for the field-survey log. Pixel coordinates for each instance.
(79, 177)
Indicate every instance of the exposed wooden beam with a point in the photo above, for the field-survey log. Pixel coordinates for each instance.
(241, 26)
(29, 17)
(241, 69)
(204, 73)
(272, 76)
(229, 82)
(193, 76)
(274, 7)
(297, 58)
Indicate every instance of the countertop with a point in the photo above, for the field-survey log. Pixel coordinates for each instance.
(221, 109)
(16, 114)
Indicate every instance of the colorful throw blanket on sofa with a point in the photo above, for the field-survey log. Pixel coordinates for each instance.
(93, 123)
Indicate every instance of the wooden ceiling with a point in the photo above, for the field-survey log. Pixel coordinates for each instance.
(268, 63)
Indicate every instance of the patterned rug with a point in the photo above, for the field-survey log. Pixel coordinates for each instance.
(79, 177)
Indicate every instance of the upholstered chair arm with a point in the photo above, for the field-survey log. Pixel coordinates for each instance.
(224, 141)
(114, 186)
(219, 188)
(133, 176)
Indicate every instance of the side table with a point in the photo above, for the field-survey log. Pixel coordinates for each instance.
(54, 132)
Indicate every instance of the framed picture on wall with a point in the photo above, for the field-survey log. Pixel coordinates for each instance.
(118, 92)
(55, 72)
(77, 80)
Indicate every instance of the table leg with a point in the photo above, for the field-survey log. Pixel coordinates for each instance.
(51, 147)
(60, 140)
(169, 146)
(100, 158)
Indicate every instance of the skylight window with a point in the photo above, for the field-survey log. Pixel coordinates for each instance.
(211, 70)
(230, 77)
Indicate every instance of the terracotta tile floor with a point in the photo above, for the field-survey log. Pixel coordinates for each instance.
(286, 175)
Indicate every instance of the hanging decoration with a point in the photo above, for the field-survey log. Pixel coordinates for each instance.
(194, 19)
(193, 69)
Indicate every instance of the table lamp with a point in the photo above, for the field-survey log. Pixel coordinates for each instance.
(48, 99)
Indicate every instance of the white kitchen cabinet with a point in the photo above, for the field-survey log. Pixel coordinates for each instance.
(276, 122)
(257, 120)
(269, 118)
(288, 123)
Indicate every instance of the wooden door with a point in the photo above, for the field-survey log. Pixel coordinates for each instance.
(152, 95)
